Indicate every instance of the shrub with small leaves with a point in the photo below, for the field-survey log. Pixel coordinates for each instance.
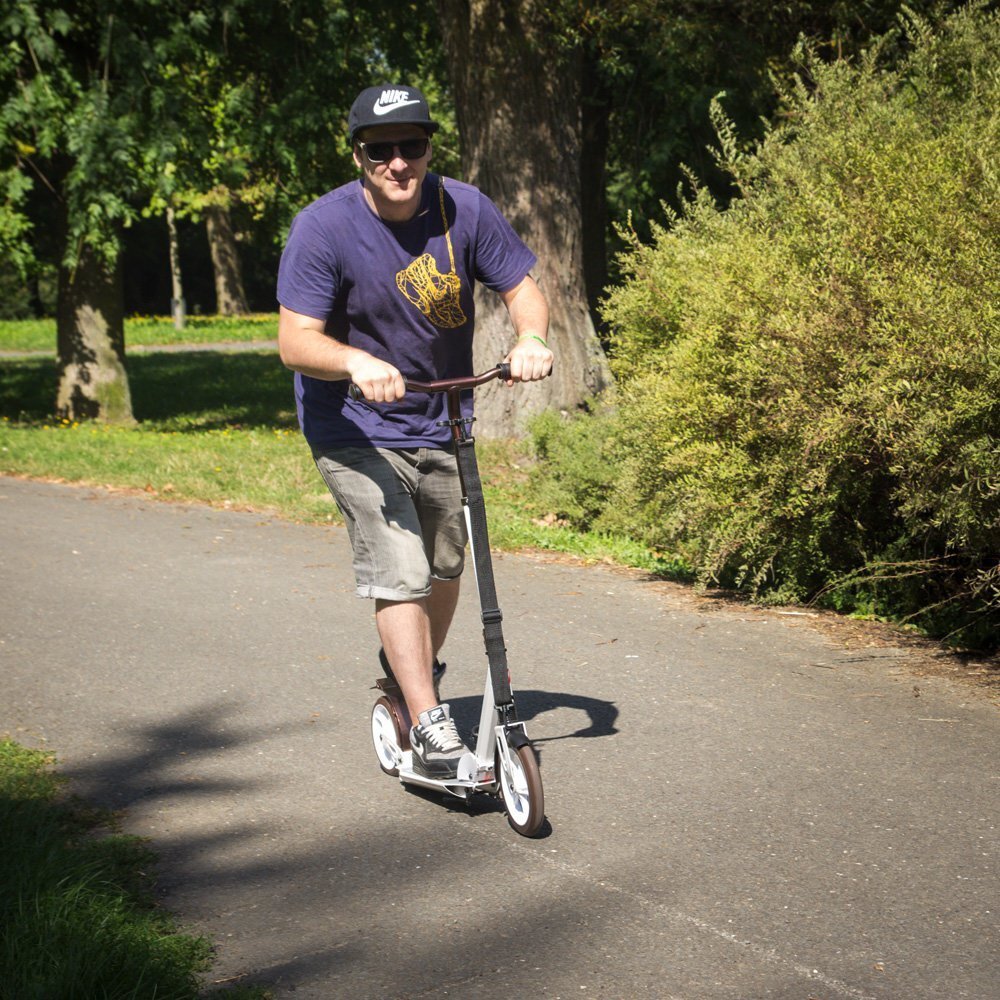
(576, 471)
(810, 380)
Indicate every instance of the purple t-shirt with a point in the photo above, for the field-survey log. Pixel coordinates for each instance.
(397, 291)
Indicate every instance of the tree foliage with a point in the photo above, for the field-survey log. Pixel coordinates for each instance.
(657, 64)
(263, 107)
(79, 120)
(83, 113)
(810, 380)
(110, 111)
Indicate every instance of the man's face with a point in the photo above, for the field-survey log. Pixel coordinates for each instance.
(393, 186)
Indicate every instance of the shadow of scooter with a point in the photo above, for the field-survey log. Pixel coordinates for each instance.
(530, 704)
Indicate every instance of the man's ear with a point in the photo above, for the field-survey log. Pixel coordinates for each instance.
(356, 153)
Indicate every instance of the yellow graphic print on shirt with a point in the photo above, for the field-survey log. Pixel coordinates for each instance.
(436, 295)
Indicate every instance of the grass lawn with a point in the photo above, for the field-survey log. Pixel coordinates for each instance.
(146, 331)
(219, 427)
(77, 915)
(213, 427)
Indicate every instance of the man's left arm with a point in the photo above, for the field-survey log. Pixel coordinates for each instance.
(530, 358)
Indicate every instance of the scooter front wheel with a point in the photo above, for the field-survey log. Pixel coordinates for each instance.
(521, 790)
(386, 737)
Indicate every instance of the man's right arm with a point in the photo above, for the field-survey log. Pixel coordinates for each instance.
(305, 347)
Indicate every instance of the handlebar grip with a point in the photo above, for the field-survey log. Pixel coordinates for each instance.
(354, 391)
(504, 375)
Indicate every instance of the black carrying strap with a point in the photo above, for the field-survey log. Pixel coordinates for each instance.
(496, 651)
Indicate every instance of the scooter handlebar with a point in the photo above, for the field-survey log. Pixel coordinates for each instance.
(501, 372)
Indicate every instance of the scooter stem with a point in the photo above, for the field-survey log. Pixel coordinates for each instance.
(479, 539)
(496, 650)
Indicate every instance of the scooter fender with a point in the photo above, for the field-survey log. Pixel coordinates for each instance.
(516, 738)
(468, 768)
(509, 740)
(391, 692)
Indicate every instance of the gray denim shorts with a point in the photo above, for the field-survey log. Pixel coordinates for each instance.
(403, 509)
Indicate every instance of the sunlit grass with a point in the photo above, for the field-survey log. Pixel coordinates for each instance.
(30, 335)
(220, 428)
(265, 469)
(77, 914)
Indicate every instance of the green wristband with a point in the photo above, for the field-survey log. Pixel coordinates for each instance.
(533, 336)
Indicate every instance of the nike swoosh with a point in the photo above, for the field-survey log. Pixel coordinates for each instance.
(384, 109)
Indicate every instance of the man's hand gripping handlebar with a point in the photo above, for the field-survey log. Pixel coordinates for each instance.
(452, 388)
(501, 371)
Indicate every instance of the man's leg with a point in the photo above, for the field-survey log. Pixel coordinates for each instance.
(403, 514)
(412, 634)
(404, 628)
(441, 609)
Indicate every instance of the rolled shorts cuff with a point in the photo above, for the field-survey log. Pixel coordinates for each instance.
(385, 594)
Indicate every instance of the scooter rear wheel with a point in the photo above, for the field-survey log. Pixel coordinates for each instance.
(386, 737)
(521, 790)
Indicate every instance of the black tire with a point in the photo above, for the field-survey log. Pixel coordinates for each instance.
(521, 792)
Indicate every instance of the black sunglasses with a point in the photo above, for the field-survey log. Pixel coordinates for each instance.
(382, 152)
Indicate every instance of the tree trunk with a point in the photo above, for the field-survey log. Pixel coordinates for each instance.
(595, 110)
(230, 297)
(90, 329)
(35, 297)
(518, 105)
(178, 308)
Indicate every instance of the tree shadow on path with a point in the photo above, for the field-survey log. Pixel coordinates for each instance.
(296, 912)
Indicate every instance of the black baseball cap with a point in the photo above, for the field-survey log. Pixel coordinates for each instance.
(391, 104)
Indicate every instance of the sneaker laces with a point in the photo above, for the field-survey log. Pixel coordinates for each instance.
(443, 736)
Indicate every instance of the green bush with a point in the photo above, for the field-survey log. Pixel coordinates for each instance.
(810, 380)
(576, 471)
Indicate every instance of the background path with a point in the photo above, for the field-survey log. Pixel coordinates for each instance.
(739, 806)
(224, 346)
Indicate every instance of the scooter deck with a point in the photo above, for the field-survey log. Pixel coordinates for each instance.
(473, 776)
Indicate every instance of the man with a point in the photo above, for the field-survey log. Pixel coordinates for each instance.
(376, 284)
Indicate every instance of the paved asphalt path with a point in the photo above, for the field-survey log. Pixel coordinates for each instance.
(739, 807)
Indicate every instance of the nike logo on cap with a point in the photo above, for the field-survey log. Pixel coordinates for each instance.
(391, 100)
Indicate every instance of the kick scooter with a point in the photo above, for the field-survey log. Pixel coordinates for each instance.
(503, 763)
